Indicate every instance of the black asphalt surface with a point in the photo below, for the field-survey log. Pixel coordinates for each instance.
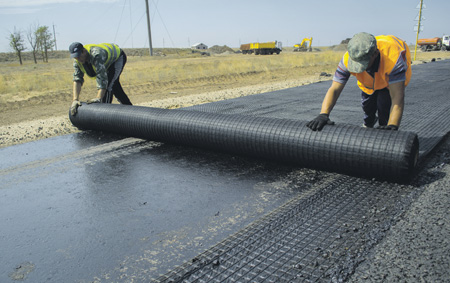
(96, 207)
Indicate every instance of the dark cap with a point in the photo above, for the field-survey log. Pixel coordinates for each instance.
(75, 49)
(360, 49)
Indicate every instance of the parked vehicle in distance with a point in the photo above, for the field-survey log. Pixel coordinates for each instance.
(264, 48)
(435, 43)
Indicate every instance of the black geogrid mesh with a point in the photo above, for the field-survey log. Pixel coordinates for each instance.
(322, 236)
(317, 236)
(325, 232)
(425, 112)
(341, 148)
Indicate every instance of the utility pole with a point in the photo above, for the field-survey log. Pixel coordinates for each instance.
(54, 37)
(418, 27)
(131, 26)
(149, 30)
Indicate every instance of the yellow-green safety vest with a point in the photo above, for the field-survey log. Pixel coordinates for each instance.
(113, 54)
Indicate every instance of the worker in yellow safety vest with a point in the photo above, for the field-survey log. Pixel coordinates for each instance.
(382, 66)
(105, 63)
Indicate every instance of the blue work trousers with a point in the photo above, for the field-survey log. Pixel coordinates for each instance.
(378, 102)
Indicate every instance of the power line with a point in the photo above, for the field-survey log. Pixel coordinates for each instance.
(157, 10)
(105, 11)
(149, 21)
(120, 20)
(131, 26)
(135, 26)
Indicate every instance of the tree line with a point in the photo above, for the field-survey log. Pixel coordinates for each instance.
(39, 40)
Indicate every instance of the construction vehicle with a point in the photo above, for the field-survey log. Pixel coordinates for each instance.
(245, 48)
(435, 43)
(264, 48)
(304, 46)
(445, 43)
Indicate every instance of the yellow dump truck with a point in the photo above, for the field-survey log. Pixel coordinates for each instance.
(262, 48)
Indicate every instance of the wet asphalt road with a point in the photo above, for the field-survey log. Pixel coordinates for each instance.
(83, 206)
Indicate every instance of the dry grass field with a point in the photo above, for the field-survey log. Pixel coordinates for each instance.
(174, 78)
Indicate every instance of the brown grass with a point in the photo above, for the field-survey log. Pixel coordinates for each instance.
(179, 69)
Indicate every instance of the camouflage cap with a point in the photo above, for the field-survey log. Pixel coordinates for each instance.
(75, 49)
(360, 49)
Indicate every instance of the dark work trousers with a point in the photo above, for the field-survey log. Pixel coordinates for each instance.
(114, 87)
(379, 101)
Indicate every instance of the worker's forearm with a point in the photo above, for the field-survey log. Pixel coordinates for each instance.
(328, 103)
(101, 93)
(396, 115)
(330, 100)
(76, 90)
(397, 92)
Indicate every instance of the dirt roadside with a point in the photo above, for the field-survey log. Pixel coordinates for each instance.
(38, 118)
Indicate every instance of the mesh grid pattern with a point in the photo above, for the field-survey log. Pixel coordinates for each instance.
(317, 236)
(341, 148)
(325, 232)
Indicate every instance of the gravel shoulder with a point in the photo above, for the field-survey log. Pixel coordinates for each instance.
(417, 247)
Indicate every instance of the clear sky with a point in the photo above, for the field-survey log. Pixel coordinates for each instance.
(181, 23)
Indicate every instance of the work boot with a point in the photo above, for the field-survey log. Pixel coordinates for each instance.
(371, 124)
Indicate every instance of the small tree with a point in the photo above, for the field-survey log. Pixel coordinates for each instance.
(16, 41)
(32, 39)
(45, 42)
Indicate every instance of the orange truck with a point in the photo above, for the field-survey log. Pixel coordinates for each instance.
(435, 43)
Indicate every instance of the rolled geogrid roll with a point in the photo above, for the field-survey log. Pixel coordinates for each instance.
(339, 148)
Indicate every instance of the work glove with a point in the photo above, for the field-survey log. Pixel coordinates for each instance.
(319, 122)
(94, 100)
(388, 127)
(74, 107)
